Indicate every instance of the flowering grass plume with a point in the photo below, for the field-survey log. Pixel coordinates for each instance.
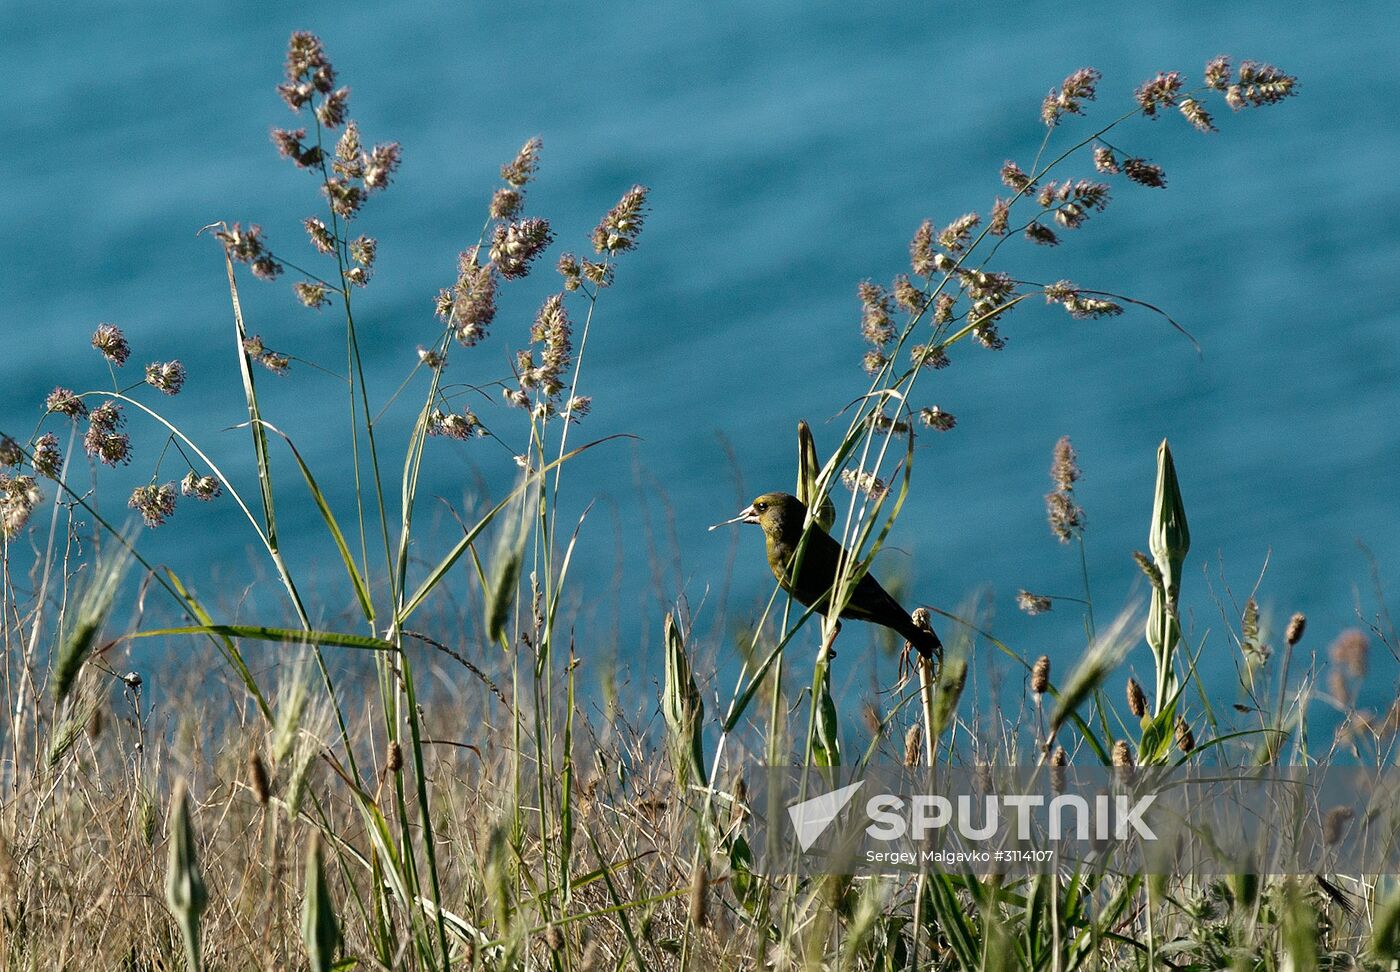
(104, 441)
(47, 456)
(620, 226)
(278, 364)
(454, 425)
(62, 401)
(109, 340)
(202, 488)
(519, 171)
(1040, 676)
(1350, 651)
(247, 246)
(1069, 97)
(1033, 604)
(470, 306)
(866, 483)
(937, 419)
(516, 244)
(950, 287)
(155, 503)
(166, 376)
(1065, 515)
(350, 172)
(19, 495)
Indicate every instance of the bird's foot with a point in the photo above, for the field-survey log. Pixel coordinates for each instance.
(906, 665)
(909, 662)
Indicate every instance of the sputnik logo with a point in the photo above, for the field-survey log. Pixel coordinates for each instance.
(810, 818)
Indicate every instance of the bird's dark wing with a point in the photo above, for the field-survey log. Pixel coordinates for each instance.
(812, 579)
(871, 602)
(816, 574)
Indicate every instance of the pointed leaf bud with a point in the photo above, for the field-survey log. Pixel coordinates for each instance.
(809, 469)
(1169, 538)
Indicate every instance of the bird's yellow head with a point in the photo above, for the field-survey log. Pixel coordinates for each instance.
(780, 514)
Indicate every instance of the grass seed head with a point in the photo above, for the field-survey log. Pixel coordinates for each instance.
(47, 456)
(258, 780)
(1137, 699)
(64, 402)
(1123, 766)
(1185, 738)
(700, 897)
(167, 377)
(521, 169)
(155, 503)
(1040, 675)
(1033, 604)
(1059, 760)
(1350, 652)
(1296, 626)
(109, 340)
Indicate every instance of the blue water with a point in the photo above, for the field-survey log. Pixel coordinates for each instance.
(792, 149)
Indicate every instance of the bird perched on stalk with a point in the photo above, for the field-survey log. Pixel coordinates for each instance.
(783, 518)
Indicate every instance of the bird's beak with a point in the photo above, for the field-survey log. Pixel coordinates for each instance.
(746, 515)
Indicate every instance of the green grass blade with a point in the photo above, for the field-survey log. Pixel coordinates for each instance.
(361, 588)
(435, 577)
(808, 468)
(268, 542)
(245, 370)
(287, 636)
(553, 608)
(619, 905)
(952, 921)
(225, 643)
(741, 702)
(413, 463)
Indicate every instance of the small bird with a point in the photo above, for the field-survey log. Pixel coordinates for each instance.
(782, 517)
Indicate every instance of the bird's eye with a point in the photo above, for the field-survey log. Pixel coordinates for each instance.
(760, 507)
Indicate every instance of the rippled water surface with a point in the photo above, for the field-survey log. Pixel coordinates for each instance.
(792, 149)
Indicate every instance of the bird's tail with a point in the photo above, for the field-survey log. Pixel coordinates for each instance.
(924, 640)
